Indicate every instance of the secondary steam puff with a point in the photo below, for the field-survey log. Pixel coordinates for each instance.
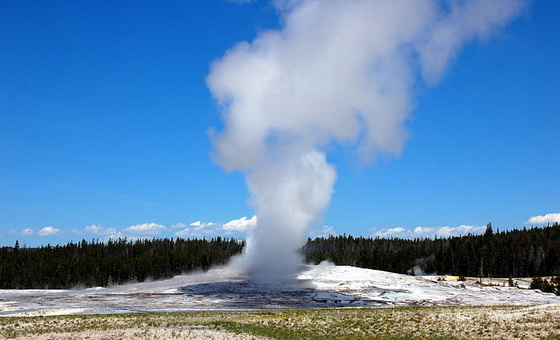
(338, 71)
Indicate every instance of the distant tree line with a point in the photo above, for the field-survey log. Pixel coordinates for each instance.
(97, 263)
(531, 252)
(519, 253)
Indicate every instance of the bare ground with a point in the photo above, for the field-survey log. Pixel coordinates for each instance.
(539, 322)
(145, 333)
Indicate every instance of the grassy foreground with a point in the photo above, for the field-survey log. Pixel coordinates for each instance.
(541, 322)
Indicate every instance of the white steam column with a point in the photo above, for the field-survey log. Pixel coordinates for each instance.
(338, 71)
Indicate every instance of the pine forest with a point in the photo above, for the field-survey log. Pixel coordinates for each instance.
(519, 253)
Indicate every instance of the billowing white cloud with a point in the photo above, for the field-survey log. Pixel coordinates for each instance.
(241, 224)
(200, 229)
(179, 225)
(186, 232)
(145, 229)
(118, 235)
(93, 229)
(544, 219)
(448, 231)
(99, 230)
(211, 229)
(49, 231)
(421, 232)
(444, 231)
(390, 232)
(198, 225)
(469, 229)
(27, 232)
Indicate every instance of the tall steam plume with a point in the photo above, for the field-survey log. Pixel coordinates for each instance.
(338, 71)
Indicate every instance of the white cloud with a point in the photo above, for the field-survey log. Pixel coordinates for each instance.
(390, 232)
(423, 230)
(241, 224)
(544, 219)
(179, 225)
(99, 230)
(470, 229)
(198, 225)
(118, 235)
(324, 231)
(184, 233)
(448, 231)
(146, 229)
(444, 231)
(211, 229)
(26, 232)
(198, 229)
(49, 231)
(93, 229)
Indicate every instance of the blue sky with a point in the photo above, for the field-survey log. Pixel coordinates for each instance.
(105, 115)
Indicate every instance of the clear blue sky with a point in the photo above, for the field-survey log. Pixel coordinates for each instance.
(104, 119)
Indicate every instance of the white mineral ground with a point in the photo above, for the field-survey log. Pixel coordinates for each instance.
(323, 285)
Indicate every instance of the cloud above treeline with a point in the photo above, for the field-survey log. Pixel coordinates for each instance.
(145, 229)
(197, 229)
(544, 219)
(27, 232)
(446, 231)
(240, 227)
(237, 228)
(46, 231)
(430, 232)
(201, 229)
(324, 231)
(241, 224)
(49, 231)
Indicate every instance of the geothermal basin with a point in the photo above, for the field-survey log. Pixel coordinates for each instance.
(224, 288)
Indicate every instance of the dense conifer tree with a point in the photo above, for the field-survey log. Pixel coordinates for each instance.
(531, 252)
(116, 261)
(526, 252)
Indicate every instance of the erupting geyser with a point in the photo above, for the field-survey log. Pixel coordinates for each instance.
(338, 71)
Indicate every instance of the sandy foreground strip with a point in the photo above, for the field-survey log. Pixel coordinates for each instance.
(506, 322)
(146, 333)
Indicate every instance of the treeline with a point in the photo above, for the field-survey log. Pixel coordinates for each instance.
(95, 263)
(519, 253)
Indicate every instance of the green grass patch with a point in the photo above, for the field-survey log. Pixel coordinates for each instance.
(368, 323)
